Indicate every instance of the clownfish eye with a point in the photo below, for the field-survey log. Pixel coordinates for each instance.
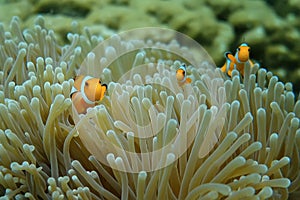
(183, 73)
(238, 49)
(100, 82)
(249, 49)
(86, 84)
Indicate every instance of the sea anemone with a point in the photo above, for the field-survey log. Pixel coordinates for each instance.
(215, 138)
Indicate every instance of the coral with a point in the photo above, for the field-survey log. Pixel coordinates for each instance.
(256, 140)
(15, 8)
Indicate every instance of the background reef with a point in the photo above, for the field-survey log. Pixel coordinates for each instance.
(270, 27)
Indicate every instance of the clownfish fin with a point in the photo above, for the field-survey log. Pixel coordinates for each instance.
(224, 67)
(230, 57)
(188, 80)
(104, 88)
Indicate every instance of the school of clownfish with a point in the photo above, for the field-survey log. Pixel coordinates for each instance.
(88, 91)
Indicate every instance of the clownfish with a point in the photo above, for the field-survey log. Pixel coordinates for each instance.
(181, 75)
(86, 92)
(238, 60)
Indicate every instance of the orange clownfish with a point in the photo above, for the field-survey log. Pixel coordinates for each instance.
(237, 61)
(86, 92)
(181, 75)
